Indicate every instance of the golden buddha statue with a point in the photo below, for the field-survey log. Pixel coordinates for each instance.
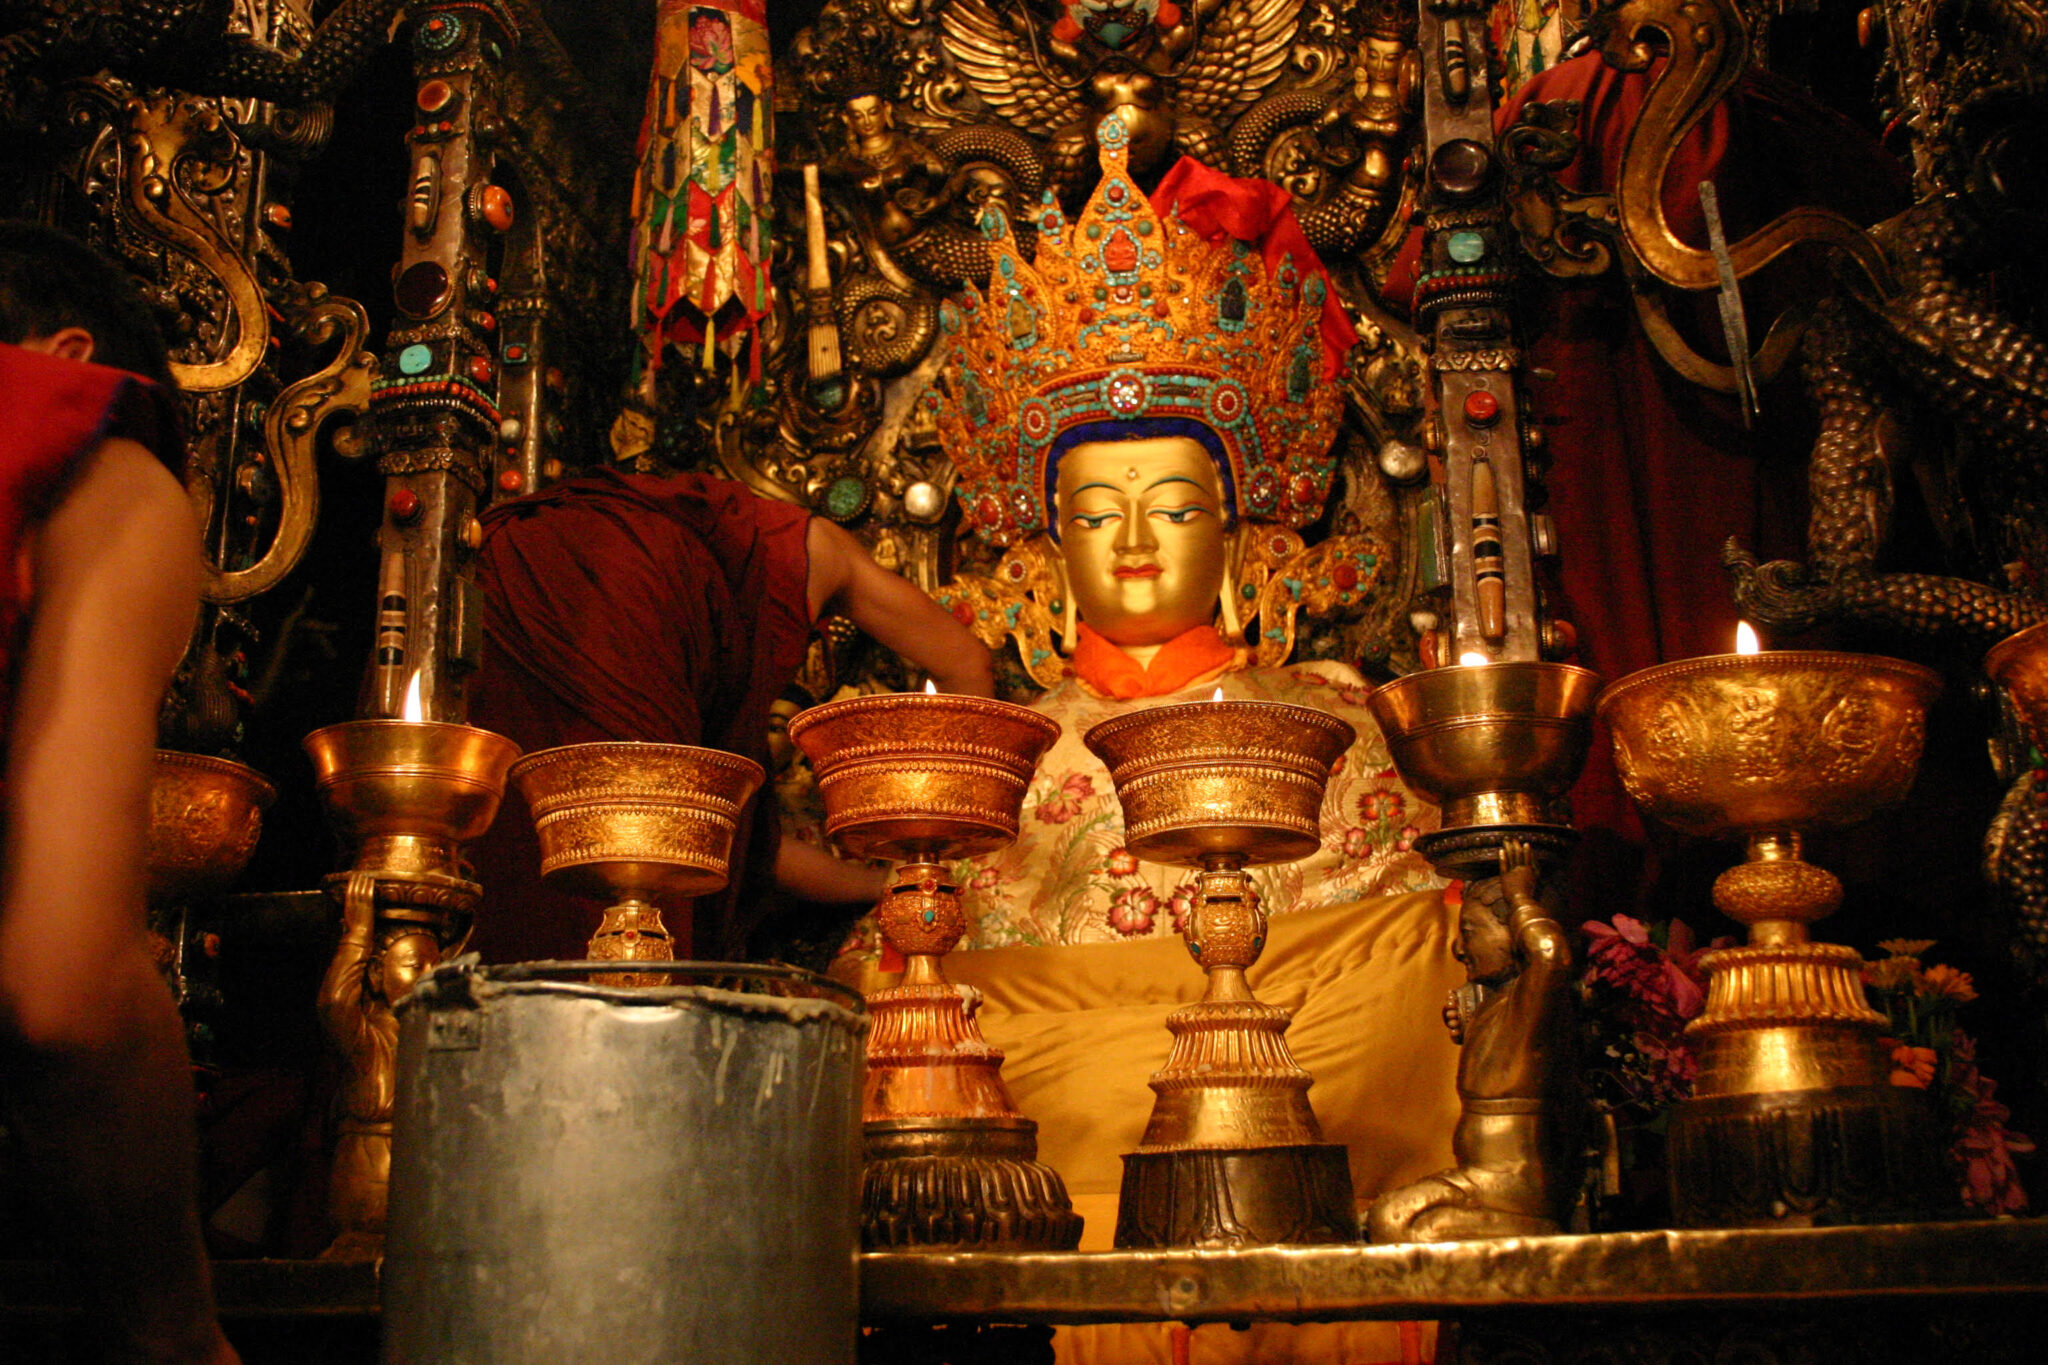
(1142, 419)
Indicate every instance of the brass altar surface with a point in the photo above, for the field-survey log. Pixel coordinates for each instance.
(1790, 1267)
(1445, 1279)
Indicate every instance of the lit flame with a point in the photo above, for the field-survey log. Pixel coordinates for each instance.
(931, 688)
(1217, 695)
(1745, 639)
(1472, 658)
(414, 709)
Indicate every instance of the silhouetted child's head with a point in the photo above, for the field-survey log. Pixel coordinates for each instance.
(59, 295)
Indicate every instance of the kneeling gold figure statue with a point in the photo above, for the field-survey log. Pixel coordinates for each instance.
(1515, 1078)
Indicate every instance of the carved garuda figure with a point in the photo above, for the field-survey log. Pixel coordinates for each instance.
(1179, 75)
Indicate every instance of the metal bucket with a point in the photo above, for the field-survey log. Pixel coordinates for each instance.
(638, 1176)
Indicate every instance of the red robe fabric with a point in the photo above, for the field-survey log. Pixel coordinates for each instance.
(52, 413)
(1650, 475)
(627, 607)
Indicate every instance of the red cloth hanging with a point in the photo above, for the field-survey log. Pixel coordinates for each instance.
(1217, 207)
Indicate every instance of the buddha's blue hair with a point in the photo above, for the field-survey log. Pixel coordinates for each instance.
(1138, 429)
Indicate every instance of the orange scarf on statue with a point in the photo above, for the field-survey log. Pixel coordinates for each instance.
(1180, 661)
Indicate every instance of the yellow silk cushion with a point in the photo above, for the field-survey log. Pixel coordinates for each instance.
(1084, 1026)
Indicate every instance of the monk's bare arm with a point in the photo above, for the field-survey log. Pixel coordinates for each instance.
(103, 1091)
(116, 572)
(845, 581)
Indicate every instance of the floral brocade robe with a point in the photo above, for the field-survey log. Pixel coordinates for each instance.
(1069, 879)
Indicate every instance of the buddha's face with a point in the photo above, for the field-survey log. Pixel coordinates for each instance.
(868, 115)
(1142, 534)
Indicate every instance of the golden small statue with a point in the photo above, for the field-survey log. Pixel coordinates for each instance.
(1513, 1017)
(375, 967)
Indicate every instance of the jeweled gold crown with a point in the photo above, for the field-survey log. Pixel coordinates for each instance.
(1125, 315)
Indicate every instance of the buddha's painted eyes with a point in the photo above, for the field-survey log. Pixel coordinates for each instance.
(1094, 521)
(1181, 516)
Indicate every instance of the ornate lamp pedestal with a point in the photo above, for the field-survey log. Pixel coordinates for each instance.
(405, 795)
(1792, 1121)
(1233, 1154)
(637, 824)
(929, 778)
(205, 815)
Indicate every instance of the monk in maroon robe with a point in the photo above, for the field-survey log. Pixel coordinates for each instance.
(673, 610)
(99, 587)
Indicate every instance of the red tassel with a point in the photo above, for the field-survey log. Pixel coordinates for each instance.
(1169, 15)
(1065, 29)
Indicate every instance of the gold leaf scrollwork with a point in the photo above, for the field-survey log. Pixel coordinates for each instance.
(1022, 601)
(166, 141)
(1335, 577)
(291, 433)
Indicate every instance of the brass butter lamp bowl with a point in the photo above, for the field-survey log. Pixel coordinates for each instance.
(2019, 664)
(205, 815)
(1792, 1120)
(640, 825)
(924, 779)
(1233, 1154)
(407, 794)
(1496, 746)
(404, 796)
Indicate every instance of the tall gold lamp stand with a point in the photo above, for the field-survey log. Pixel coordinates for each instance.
(1233, 1154)
(1792, 1120)
(925, 779)
(404, 796)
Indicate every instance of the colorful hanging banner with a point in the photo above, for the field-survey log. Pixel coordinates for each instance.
(702, 196)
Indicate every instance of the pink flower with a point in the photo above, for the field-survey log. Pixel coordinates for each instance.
(1182, 905)
(1376, 807)
(1660, 986)
(1065, 804)
(1354, 696)
(1357, 843)
(1133, 911)
(1121, 863)
(984, 879)
(710, 44)
(1985, 1150)
(1409, 834)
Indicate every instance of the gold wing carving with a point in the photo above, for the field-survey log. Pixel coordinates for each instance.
(1014, 604)
(339, 390)
(1338, 575)
(1005, 69)
(1242, 51)
(165, 163)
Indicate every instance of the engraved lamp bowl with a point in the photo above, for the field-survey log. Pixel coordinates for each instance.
(636, 821)
(1784, 740)
(205, 815)
(408, 792)
(1205, 780)
(915, 776)
(1492, 744)
(2019, 664)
